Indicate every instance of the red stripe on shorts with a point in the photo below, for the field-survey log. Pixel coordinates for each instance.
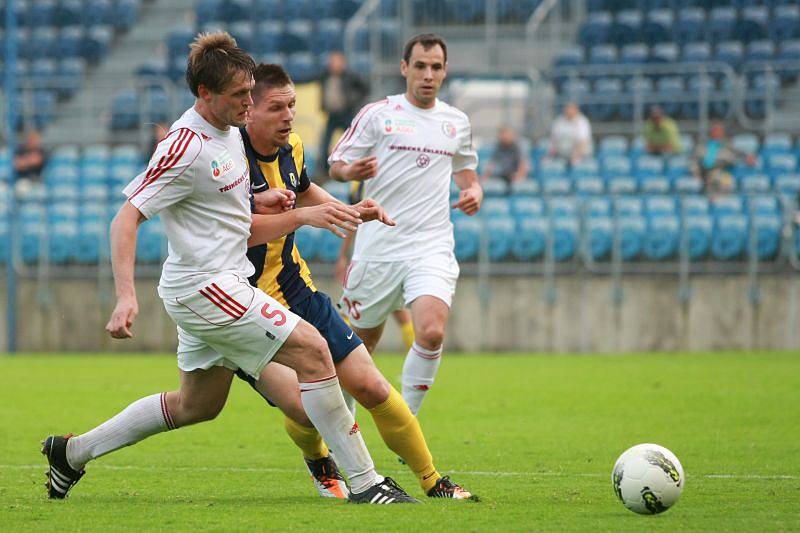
(222, 305)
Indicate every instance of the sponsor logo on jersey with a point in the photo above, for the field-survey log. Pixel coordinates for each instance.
(423, 160)
(222, 164)
(449, 129)
(399, 125)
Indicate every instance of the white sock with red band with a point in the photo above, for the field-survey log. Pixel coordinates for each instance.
(141, 419)
(419, 372)
(324, 405)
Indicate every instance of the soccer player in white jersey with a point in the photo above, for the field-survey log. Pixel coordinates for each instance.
(405, 148)
(198, 181)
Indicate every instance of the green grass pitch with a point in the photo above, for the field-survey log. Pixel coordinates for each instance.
(535, 436)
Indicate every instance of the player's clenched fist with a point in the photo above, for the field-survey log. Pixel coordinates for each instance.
(122, 318)
(332, 216)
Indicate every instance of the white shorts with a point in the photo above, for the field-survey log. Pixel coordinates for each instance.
(373, 289)
(229, 323)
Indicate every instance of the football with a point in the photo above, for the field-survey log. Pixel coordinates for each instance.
(648, 479)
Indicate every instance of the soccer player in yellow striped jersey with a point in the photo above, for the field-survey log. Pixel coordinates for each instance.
(275, 155)
(401, 316)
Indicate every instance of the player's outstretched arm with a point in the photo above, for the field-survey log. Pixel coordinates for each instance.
(123, 257)
(372, 210)
(332, 216)
(314, 195)
(360, 170)
(368, 209)
(471, 196)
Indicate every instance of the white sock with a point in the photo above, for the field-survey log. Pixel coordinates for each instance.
(419, 371)
(141, 419)
(324, 405)
(350, 402)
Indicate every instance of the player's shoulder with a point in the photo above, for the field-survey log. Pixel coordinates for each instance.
(295, 141)
(375, 108)
(451, 110)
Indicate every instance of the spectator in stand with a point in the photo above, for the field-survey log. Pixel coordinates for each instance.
(342, 92)
(714, 160)
(571, 136)
(661, 135)
(507, 161)
(29, 158)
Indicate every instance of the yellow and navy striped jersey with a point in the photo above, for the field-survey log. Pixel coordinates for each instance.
(280, 271)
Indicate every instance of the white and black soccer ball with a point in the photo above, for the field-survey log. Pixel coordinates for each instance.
(648, 479)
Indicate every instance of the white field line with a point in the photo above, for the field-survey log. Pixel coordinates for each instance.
(266, 470)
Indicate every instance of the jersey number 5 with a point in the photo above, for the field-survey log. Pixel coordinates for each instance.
(269, 315)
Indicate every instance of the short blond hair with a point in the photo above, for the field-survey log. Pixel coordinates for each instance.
(214, 60)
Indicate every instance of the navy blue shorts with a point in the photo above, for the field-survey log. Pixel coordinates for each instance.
(319, 311)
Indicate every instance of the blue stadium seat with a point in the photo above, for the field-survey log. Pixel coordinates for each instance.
(302, 67)
(730, 237)
(654, 184)
(587, 185)
(125, 154)
(727, 205)
(597, 207)
(677, 166)
(527, 187)
(613, 145)
(660, 205)
(97, 13)
(690, 25)
(125, 111)
(530, 240)
(776, 143)
(603, 54)
(762, 88)
(522, 207)
(596, 29)
(670, 91)
(347, 8)
(785, 23)
(588, 166)
(552, 168)
(631, 230)
(698, 229)
(605, 89)
(563, 207)
(643, 87)
(565, 230)
(125, 13)
(91, 239)
(41, 13)
(696, 52)
(662, 238)
(501, 235)
(267, 38)
(761, 50)
(329, 36)
(730, 52)
(755, 183)
(788, 184)
(208, 11)
(70, 74)
(556, 185)
(68, 13)
(570, 56)
(62, 239)
(635, 53)
(764, 205)
(649, 165)
(599, 237)
(695, 205)
(492, 207)
(467, 233)
(721, 23)
(241, 30)
(664, 53)
(657, 28)
(96, 43)
(767, 230)
(781, 163)
(70, 42)
(752, 24)
(628, 206)
(746, 142)
(41, 45)
(615, 166)
(494, 187)
(622, 185)
(235, 11)
(64, 192)
(307, 239)
(627, 27)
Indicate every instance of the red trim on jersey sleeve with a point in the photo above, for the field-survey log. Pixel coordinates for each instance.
(352, 129)
(174, 154)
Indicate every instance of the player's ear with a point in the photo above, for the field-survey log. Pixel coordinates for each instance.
(403, 67)
(203, 92)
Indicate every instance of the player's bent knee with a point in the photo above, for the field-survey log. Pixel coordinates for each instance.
(307, 353)
(430, 336)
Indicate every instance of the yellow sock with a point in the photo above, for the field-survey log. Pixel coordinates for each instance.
(307, 439)
(407, 331)
(403, 435)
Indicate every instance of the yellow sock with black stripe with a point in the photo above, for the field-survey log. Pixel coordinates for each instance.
(307, 439)
(403, 435)
(407, 332)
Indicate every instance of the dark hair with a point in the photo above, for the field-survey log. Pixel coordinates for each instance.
(269, 76)
(213, 61)
(428, 41)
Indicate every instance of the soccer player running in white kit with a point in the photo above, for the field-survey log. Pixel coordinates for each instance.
(198, 181)
(405, 148)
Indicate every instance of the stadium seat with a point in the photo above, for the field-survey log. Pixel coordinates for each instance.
(781, 163)
(500, 231)
(615, 165)
(662, 238)
(631, 230)
(527, 187)
(627, 27)
(721, 24)
(649, 165)
(670, 93)
(522, 207)
(767, 229)
(752, 24)
(302, 67)
(467, 233)
(788, 184)
(746, 142)
(622, 185)
(70, 42)
(328, 37)
(665, 53)
(628, 206)
(762, 89)
(727, 205)
(698, 229)
(565, 230)
(599, 237)
(613, 145)
(587, 185)
(596, 29)
(761, 50)
(530, 240)
(654, 184)
(563, 207)
(696, 52)
(690, 25)
(494, 187)
(695, 205)
(597, 207)
(730, 52)
(492, 207)
(755, 183)
(764, 205)
(552, 168)
(730, 237)
(125, 13)
(785, 23)
(570, 56)
(776, 143)
(677, 166)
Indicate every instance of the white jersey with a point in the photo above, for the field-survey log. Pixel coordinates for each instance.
(418, 150)
(199, 181)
